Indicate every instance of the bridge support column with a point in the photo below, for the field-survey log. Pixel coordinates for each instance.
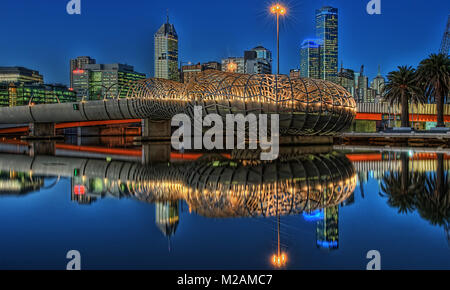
(156, 130)
(42, 148)
(156, 152)
(42, 131)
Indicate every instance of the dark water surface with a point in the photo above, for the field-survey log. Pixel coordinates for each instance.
(329, 209)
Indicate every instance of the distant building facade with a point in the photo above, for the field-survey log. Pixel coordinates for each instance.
(310, 57)
(97, 81)
(189, 72)
(23, 94)
(18, 74)
(78, 64)
(327, 32)
(378, 84)
(294, 74)
(234, 64)
(255, 61)
(346, 78)
(166, 52)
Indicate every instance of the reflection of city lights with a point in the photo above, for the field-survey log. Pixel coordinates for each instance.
(279, 260)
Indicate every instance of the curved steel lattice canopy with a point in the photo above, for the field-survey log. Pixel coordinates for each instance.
(252, 188)
(306, 106)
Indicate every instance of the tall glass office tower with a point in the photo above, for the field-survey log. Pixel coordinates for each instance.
(310, 52)
(327, 31)
(166, 52)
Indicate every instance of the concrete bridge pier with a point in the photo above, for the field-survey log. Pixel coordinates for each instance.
(153, 130)
(42, 131)
(47, 148)
(156, 152)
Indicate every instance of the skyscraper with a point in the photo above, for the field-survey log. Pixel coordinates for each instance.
(78, 64)
(346, 78)
(166, 52)
(445, 45)
(310, 52)
(327, 32)
(378, 83)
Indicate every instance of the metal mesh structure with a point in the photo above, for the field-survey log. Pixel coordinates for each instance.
(306, 106)
(252, 188)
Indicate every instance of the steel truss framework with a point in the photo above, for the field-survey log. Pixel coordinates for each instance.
(306, 106)
(227, 188)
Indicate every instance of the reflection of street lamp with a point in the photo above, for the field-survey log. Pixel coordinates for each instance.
(278, 9)
(279, 260)
(231, 67)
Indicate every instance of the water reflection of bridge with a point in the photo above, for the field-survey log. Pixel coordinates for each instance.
(215, 187)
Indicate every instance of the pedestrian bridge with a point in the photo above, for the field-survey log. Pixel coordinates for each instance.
(213, 187)
(305, 106)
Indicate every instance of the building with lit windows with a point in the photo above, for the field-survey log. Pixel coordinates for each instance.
(167, 217)
(19, 74)
(255, 61)
(19, 183)
(327, 32)
(234, 64)
(78, 64)
(189, 72)
(310, 57)
(378, 83)
(327, 230)
(166, 52)
(212, 65)
(22, 94)
(97, 81)
(346, 78)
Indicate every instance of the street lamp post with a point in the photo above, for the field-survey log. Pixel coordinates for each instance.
(278, 10)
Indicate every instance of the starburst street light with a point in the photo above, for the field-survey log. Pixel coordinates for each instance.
(278, 9)
(231, 67)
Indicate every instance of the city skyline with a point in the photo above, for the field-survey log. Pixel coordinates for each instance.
(357, 43)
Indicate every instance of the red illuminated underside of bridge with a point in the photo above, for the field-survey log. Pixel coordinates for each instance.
(412, 117)
(359, 116)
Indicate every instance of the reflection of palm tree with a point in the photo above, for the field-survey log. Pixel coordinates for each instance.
(401, 188)
(433, 204)
(362, 180)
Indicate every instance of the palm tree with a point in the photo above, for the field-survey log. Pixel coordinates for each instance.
(401, 87)
(434, 75)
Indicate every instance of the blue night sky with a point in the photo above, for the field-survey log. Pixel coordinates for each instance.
(41, 35)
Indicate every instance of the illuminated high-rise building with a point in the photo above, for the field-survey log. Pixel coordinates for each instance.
(78, 64)
(377, 83)
(328, 229)
(167, 217)
(310, 53)
(346, 78)
(166, 52)
(327, 32)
